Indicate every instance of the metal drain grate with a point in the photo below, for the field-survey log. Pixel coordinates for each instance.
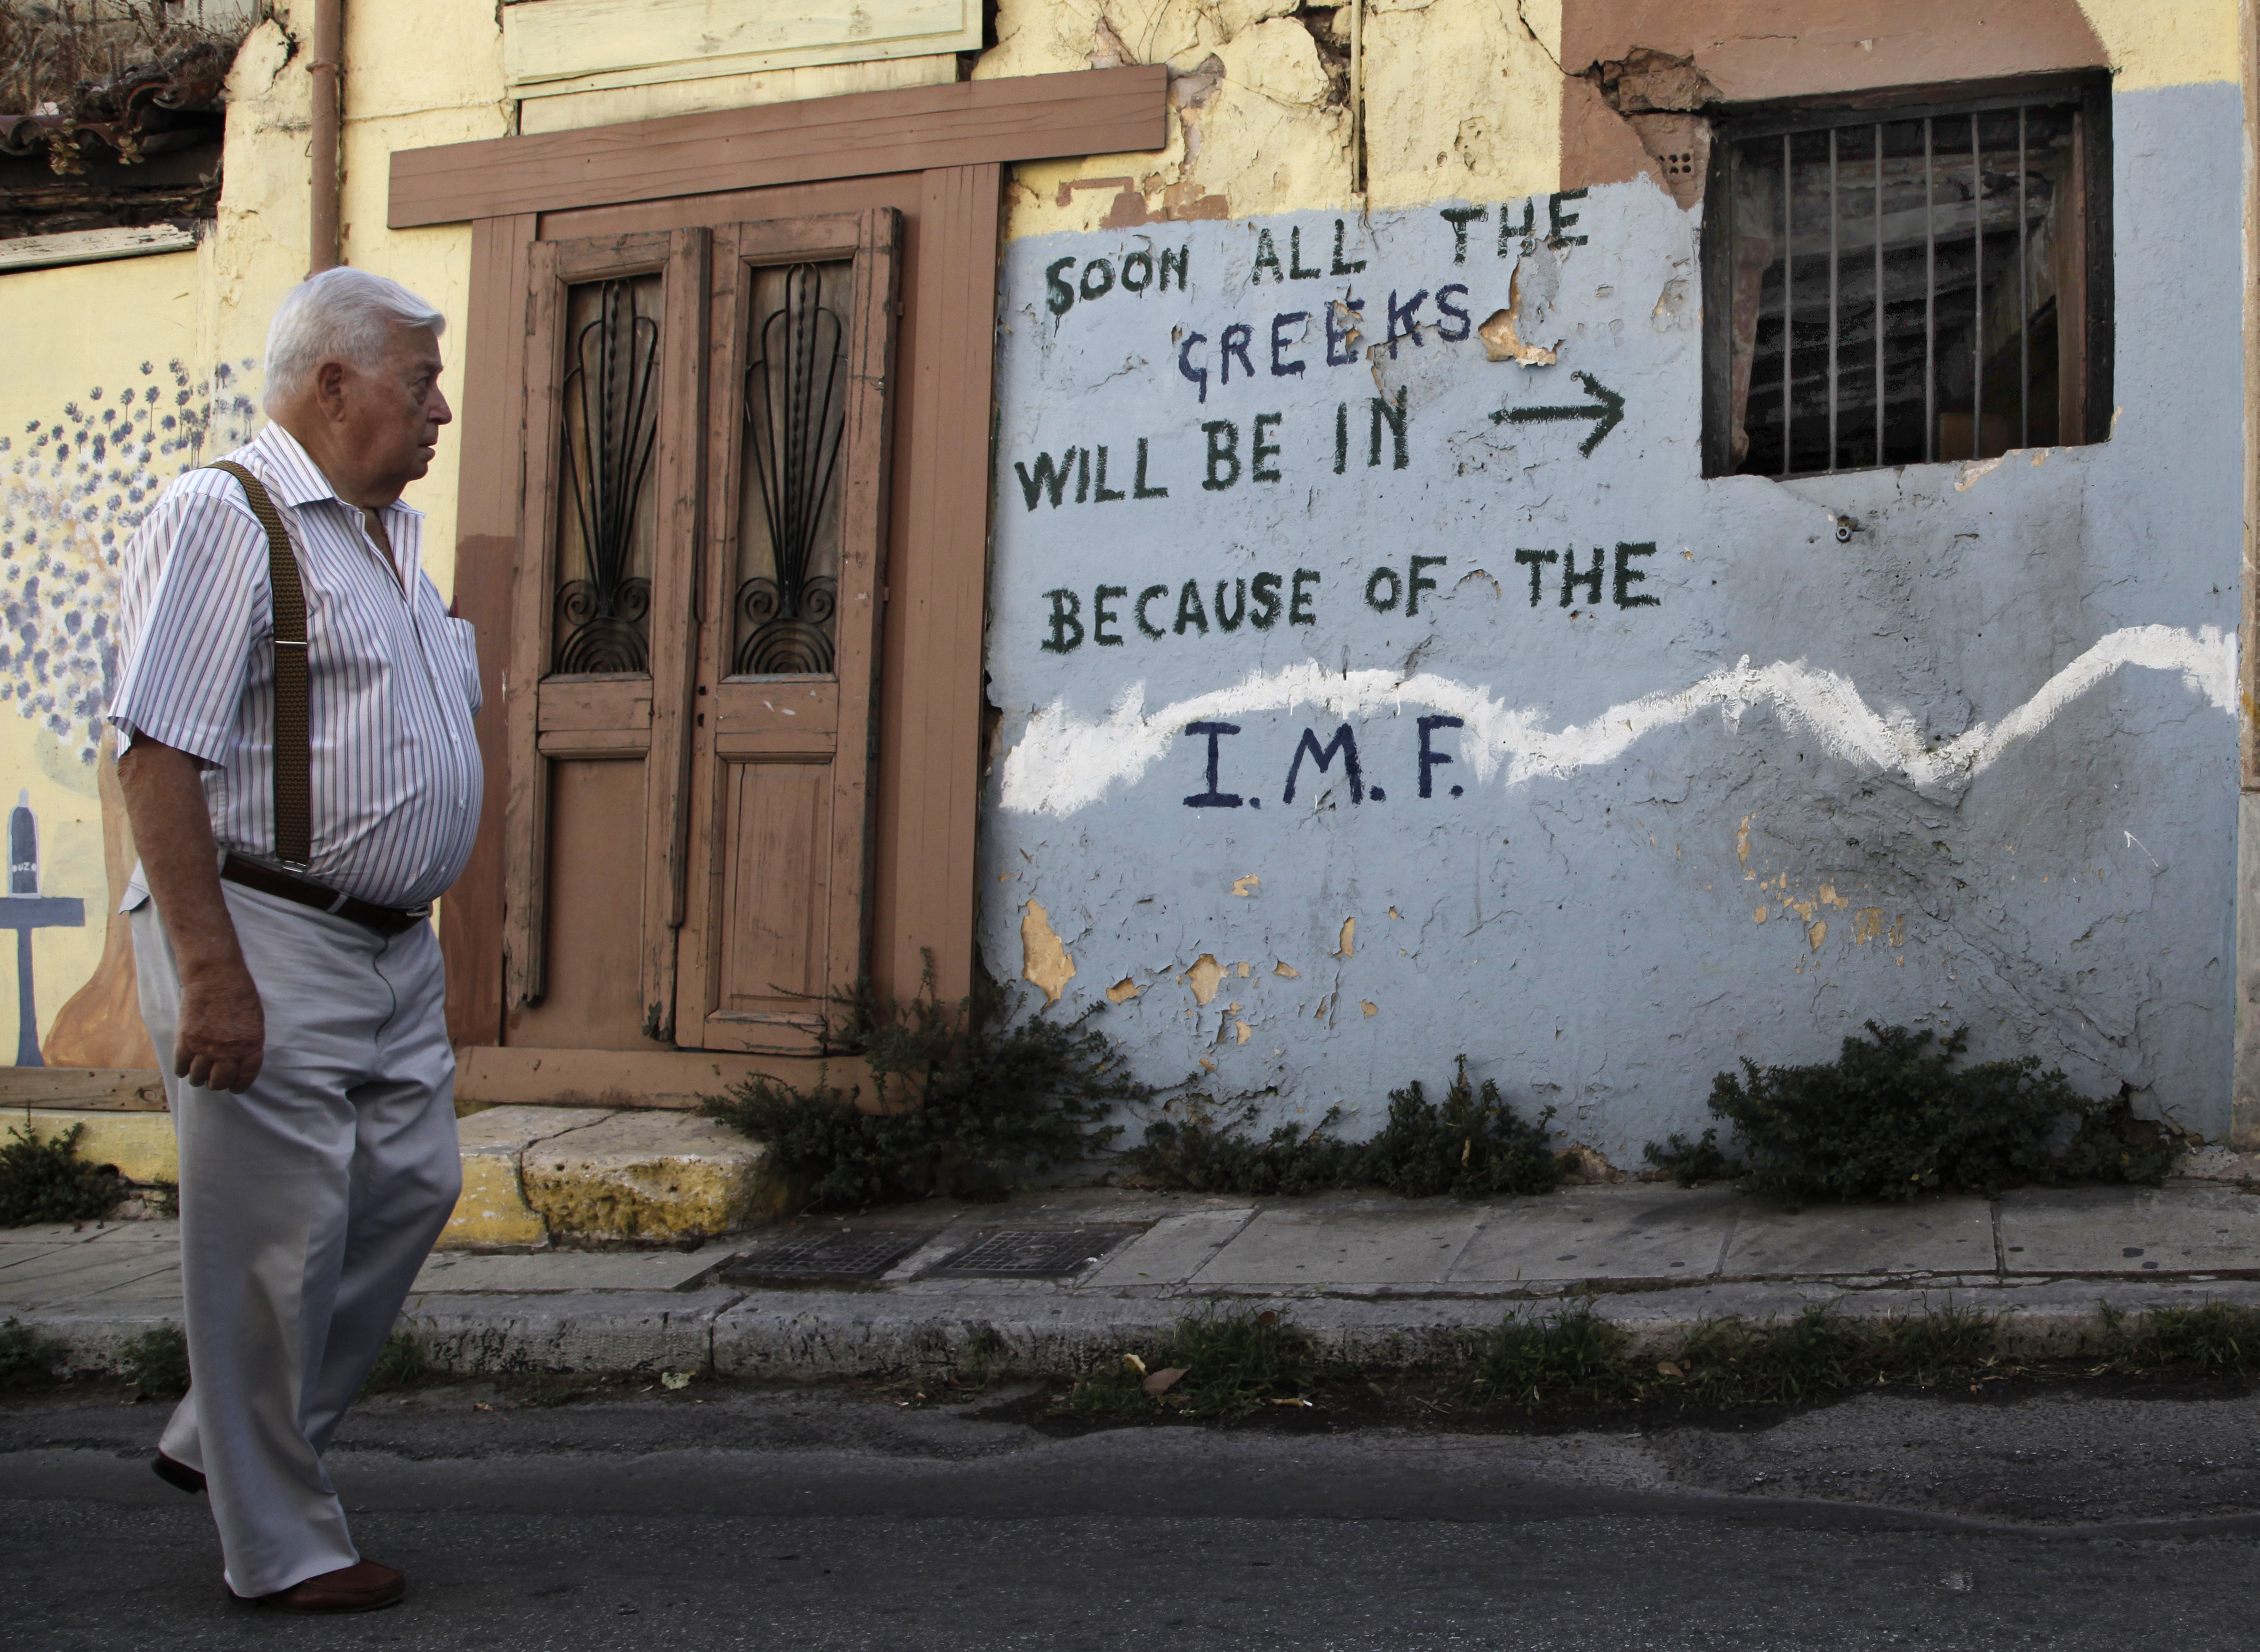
(1031, 1253)
(841, 1254)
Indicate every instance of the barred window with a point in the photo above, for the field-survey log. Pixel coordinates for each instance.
(1895, 280)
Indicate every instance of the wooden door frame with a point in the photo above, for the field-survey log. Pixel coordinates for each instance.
(959, 137)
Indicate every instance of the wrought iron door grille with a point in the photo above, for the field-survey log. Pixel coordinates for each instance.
(1906, 288)
(611, 383)
(795, 416)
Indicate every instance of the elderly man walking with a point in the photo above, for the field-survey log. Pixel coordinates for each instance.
(294, 713)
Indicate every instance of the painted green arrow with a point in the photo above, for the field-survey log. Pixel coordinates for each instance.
(1606, 410)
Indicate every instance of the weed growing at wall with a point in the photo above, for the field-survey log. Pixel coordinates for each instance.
(1894, 1116)
(1471, 1144)
(966, 1100)
(1692, 1163)
(157, 1360)
(75, 488)
(44, 1180)
(1211, 1365)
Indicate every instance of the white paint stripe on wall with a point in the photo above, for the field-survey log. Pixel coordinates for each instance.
(1064, 762)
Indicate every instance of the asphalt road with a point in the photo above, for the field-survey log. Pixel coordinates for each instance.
(838, 1520)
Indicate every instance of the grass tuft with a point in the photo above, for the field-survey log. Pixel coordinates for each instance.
(157, 1360)
(2220, 1339)
(1230, 1363)
(399, 1364)
(27, 1357)
(1575, 1356)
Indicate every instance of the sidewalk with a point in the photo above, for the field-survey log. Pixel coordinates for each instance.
(1051, 1281)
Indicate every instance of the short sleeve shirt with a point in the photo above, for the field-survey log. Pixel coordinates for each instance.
(393, 678)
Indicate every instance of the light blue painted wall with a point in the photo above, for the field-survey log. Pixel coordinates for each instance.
(1580, 921)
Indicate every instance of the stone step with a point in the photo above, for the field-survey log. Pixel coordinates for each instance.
(533, 1177)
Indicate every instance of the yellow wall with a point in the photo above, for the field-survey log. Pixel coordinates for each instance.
(88, 346)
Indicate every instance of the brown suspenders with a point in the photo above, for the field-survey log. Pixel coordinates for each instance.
(293, 753)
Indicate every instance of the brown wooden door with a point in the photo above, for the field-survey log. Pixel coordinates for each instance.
(697, 596)
(615, 368)
(782, 738)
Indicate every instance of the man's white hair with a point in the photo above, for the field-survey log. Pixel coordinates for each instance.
(340, 315)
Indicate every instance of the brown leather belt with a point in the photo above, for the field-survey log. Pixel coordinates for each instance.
(268, 880)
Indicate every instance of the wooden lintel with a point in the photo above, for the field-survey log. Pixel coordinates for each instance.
(916, 129)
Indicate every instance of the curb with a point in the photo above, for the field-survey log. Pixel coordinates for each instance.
(804, 1336)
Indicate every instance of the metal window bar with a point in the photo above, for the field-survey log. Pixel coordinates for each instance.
(1836, 455)
(2024, 305)
(1977, 293)
(1876, 228)
(1788, 299)
(1929, 302)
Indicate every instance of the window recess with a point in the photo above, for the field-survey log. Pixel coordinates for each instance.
(1907, 280)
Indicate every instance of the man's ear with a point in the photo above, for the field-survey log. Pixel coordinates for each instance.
(330, 389)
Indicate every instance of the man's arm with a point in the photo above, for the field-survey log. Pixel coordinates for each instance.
(222, 1038)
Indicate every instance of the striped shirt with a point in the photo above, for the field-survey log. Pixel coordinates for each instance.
(393, 679)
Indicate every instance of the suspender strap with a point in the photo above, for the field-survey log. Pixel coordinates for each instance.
(293, 750)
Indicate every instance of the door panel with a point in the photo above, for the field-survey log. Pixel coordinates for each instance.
(803, 314)
(614, 399)
(595, 912)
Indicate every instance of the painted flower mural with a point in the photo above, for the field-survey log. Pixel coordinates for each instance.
(75, 488)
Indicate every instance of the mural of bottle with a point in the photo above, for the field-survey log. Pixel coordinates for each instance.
(23, 908)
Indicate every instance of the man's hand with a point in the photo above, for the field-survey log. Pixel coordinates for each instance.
(221, 1042)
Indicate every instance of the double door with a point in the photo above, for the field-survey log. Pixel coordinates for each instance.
(695, 636)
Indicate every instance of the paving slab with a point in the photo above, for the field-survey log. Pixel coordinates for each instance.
(1927, 1235)
(1602, 1232)
(1172, 1250)
(161, 1286)
(2190, 1227)
(81, 1271)
(56, 1233)
(1345, 1246)
(569, 1270)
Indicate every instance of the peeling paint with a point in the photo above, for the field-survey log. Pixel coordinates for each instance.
(1245, 887)
(1043, 956)
(1503, 343)
(1347, 947)
(1123, 991)
(1203, 978)
(1287, 972)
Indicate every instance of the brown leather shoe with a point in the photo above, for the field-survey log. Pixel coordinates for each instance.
(171, 1471)
(363, 1586)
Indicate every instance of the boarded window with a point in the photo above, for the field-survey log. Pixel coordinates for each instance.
(1908, 281)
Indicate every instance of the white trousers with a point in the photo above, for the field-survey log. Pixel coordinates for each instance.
(307, 1205)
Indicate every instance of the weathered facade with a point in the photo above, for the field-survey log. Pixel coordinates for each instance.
(1497, 539)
